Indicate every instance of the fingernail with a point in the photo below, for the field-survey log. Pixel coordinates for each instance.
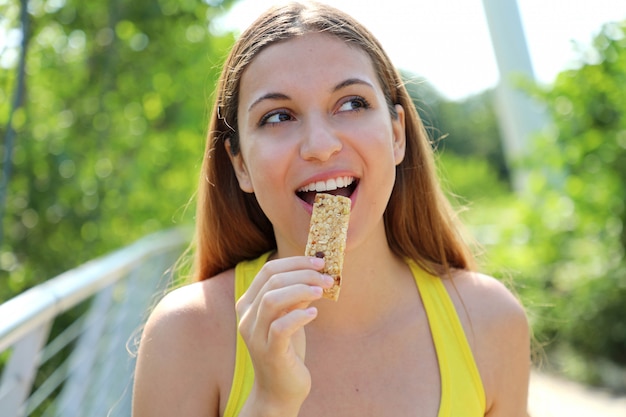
(328, 280)
(317, 262)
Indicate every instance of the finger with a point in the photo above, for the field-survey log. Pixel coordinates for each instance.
(288, 279)
(281, 274)
(285, 292)
(275, 304)
(282, 330)
(279, 266)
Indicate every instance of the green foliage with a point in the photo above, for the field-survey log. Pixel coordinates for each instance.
(579, 188)
(471, 176)
(589, 109)
(111, 135)
(468, 127)
(560, 244)
(472, 129)
(563, 239)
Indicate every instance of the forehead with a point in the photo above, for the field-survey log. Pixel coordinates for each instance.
(312, 57)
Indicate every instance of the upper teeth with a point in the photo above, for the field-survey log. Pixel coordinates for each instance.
(328, 185)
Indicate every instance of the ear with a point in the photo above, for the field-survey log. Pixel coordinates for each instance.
(239, 166)
(399, 134)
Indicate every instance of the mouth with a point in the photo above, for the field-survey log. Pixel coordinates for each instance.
(344, 186)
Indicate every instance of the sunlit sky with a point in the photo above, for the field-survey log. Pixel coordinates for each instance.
(448, 43)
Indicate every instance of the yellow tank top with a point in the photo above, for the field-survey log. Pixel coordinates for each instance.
(462, 392)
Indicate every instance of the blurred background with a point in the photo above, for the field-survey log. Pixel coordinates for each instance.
(103, 113)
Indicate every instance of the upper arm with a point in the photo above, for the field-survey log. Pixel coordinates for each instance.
(509, 367)
(177, 365)
(498, 332)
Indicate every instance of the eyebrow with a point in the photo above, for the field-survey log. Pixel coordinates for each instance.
(281, 96)
(351, 81)
(268, 96)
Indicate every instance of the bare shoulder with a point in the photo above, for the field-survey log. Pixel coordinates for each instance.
(497, 329)
(185, 350)
(194, 306)
(486, 299)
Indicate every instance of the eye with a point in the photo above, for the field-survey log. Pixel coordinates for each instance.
(275, 117)
(354, 104)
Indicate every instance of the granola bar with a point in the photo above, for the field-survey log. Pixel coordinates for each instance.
(327, 236)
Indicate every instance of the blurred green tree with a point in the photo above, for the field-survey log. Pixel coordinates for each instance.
(564, 239)
(112, 129)
(589, 109)
(577, 213)
(465, 128)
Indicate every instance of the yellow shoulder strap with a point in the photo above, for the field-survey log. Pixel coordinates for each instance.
(243, 375)
(462, 392)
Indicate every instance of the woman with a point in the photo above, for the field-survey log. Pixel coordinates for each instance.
(309, 100)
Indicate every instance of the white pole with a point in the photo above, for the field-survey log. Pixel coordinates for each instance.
(519, 117)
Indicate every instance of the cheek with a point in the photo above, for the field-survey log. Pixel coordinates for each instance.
(377, 140)
(267, 166)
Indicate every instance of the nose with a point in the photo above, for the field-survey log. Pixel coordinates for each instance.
(320, 141)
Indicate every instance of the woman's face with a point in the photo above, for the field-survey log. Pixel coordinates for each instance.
(312, 117)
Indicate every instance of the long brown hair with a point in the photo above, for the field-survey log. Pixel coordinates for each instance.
(230, 225)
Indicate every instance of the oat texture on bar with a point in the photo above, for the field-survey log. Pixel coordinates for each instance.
(327, 236)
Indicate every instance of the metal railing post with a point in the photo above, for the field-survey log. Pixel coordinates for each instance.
(84, 355)
(19, 373)
(95, 374)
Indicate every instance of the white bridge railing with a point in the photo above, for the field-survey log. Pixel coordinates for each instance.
(96, 311)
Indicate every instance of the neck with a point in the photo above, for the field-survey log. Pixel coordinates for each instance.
(375, 284)
(374, 281)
